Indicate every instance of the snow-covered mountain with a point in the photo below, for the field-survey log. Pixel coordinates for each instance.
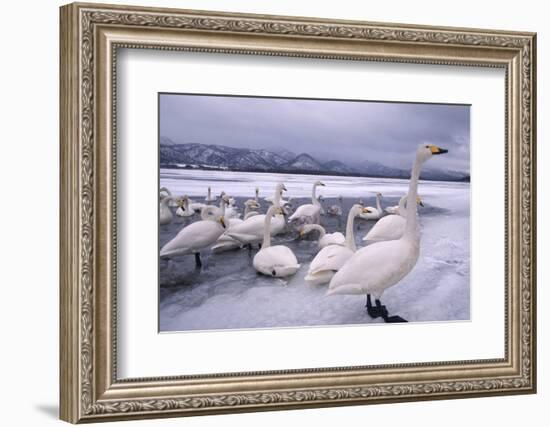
(210, 156)
(304, 162)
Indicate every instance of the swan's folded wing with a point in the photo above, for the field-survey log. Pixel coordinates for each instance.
(390, 227)
(377, 266)
(330, 257)
(195, 236)
(308, 210)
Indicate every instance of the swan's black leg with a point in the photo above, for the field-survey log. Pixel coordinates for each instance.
(378, 311)
(198, 262)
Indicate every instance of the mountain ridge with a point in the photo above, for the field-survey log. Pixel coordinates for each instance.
(220, 157)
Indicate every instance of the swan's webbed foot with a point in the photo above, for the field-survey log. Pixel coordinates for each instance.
(198, 262)
(381, 311)
(394, 319)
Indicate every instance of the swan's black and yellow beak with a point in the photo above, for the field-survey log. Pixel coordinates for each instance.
(437, 150)
(283, 188)
(222, 222)
(366, 210)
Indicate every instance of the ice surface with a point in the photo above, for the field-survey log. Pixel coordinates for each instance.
(228, 293)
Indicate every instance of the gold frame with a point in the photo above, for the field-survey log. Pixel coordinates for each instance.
(90, 36)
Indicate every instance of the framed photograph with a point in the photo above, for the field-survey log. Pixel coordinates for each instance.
(266, 212)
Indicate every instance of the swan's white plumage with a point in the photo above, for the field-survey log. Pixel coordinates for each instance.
(251, 230)
(306, 212)
(374, 213)
(309, 213)
(209, 198)
(391, 227)
(196, 236)
(336, 210)
(374, 268)
(325, 238)
(184, 209)
(165, 214)
(276, 261)
(331, 258)
(225, 242)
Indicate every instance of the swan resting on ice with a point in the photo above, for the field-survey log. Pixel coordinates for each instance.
(275, 261)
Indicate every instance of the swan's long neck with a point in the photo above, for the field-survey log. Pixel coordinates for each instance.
(350, 238)
(277, 198)
(247, 209)
(222, 207)
(186, 204)
(267, 228)
(411, 227)
(319, 228)
(313, 196)
(209, 193)
(257, 194)
(401, 209)
(164, 202)
(378, 203)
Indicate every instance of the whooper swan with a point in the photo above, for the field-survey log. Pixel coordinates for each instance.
(374, 268)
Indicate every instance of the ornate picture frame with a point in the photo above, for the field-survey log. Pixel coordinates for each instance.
(90, 37)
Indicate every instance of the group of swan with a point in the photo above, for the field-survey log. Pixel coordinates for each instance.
(392, 252)
(187, 207)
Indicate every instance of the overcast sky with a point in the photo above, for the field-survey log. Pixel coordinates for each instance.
(348, 131)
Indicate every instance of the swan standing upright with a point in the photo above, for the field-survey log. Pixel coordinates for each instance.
(331, 258)
(276, 261)
(374, 268)
(196, 236)
(390, 227)
(309, 213)
(209, 198)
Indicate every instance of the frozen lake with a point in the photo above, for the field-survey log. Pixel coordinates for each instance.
(228, 293)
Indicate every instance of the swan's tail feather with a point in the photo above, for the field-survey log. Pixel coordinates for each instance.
(349, 289)
(319, 278)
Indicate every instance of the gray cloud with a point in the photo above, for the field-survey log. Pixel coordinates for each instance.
(343, 130)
